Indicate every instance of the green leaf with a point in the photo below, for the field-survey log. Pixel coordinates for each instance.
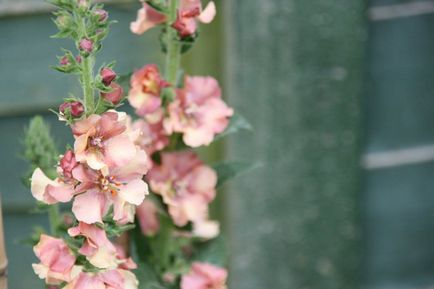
(213, 252)
(228, 170)
(236, 124)
(147, 277)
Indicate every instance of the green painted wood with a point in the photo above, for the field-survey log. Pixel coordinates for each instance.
(28, 83)
(294, 69)
(392, 2)
(398, 201)
(29, 86)
(399, 91)
(20, 256)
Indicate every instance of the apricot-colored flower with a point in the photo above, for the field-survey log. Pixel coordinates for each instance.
(147, 215)
(150, 136)
(111, 279)
(100, 141)
(186, 185)
(144, 95)
(198, 111)
(97, 248)
(147, 17)
(189, 13)
(57, 260)
(121, 186)
(50, 191)
(204, 276)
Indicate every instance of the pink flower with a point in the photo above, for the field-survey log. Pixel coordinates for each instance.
(147, 17)
(186, 185)
(198, 111)
(144, 95)
(86, 45)
(107, 75)
(147, 214)
(189, 13)
(97, 248)
(114, 96)
(126, 262)
(57, 260)
(100, 141)
(76, 108)
(204, 276)
(151, 136)
(111, 279)
(121, 186)
(51, 191)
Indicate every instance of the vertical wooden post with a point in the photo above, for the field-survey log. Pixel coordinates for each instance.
(3, 257)
(294, 69)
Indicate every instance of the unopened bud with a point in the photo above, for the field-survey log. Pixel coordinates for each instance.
(76, 108)
(115, 95)
(64, 61)
(86, 45)
(68, 163)
(107, 75)
(103, 15)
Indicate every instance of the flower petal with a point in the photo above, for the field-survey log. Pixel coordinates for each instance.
(134, 192)
(119, 150)
(208, 14)
(90, 207)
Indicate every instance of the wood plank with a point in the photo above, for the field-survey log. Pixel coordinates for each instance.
(295, 71)
(25, 56)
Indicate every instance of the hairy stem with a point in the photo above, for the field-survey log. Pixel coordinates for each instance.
(86, 79)
(173, 56)
(54, 217)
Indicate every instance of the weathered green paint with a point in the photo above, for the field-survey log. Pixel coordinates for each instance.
(398, 201)
(26, 54)
(29, 87)
(294, 69)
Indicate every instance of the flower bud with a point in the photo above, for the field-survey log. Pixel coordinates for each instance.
(83, 4)
(76, 108)
(103, 15)
(115, 95)
(107, 76)
(86, 45)
(78, 59)
(64, 61)
(68, 163)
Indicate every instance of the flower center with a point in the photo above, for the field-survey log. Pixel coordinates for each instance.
(109, 185)
(96, 142)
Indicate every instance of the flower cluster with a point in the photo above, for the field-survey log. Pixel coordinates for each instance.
(102, 174)
(106, 172)
(189, 13)
(197, 112)
(175, 118)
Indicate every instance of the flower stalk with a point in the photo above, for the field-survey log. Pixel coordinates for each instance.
(173, 56)
(87, 77)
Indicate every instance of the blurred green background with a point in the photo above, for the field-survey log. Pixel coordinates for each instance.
(341, 95)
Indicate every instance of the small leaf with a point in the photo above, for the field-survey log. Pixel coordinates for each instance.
(229, 170)
(236, 124)
(213, 252)
(147, 277)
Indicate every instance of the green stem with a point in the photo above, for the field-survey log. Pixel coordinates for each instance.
(54, 217)
(86, 78)
(173, 56)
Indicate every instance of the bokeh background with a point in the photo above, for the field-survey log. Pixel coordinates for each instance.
(341, 95)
